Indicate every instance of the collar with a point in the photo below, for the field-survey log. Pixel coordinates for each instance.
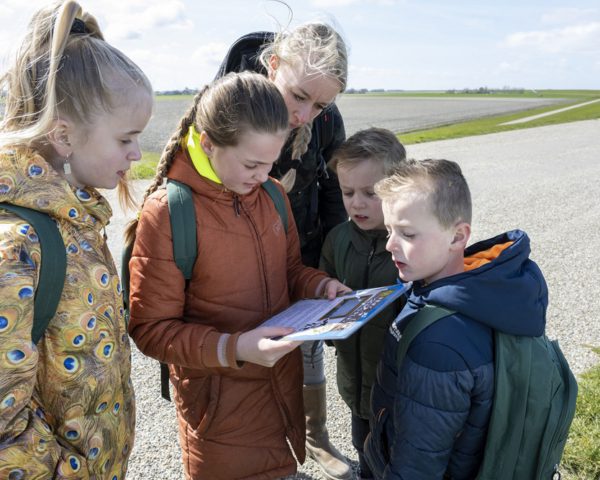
(198, 155)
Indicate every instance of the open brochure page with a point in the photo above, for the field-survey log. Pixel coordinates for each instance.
(322, 319)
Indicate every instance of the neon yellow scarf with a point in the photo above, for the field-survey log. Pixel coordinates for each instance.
(199, 157)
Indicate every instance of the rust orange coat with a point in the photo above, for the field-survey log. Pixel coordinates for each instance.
(233, 420)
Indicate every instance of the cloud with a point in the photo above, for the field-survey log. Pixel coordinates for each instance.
(168, 71)
(345, 3)
(561, 16)
(133, 18)
(575, 38)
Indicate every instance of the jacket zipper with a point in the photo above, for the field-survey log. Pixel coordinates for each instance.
(358, 353)
(238, 207)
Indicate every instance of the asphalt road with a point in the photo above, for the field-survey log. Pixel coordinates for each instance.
(542, 180)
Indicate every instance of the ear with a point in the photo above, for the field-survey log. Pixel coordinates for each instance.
(207, 144)
(273, 66)
(58, 137)
(462, 233)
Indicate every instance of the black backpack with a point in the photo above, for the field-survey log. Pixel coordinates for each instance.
(535, 393)
(53, 267)
(185, 247)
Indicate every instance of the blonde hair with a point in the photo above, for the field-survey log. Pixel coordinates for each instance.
(377, 144)
(440, 182)
(320, 50)
(63, 68)
(226, 109)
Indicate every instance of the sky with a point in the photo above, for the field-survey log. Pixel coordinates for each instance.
(393, 44)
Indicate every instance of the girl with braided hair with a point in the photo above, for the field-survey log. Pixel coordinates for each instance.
(74, 109)
(238, 392)
(309, 66)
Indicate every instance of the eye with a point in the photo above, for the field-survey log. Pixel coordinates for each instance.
(408, 235)
(347, 194)
(126, 141)
(297, 97)
(251, 167)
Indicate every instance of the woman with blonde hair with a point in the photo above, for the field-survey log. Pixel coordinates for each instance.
(309, 66)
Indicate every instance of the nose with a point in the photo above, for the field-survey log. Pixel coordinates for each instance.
(303, 114)
(135, 154)
(357, 202)
(261, 176)
(389, 245)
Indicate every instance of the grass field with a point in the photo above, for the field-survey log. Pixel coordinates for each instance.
(494, 124)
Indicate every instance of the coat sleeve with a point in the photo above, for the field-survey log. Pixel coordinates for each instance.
(24, 428)
(157, 300)
(331, 206)
(431, 406)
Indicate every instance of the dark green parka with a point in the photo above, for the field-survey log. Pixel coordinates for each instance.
(358, 258)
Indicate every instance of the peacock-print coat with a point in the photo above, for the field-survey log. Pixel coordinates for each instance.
(66, 405)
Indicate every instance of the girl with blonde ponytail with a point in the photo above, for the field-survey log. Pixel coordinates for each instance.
(237, 391)
(75, 107)
(309, 66)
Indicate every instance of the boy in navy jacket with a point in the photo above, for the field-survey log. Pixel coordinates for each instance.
(429, 420)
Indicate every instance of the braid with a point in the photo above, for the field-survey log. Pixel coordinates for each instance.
(166, 160)
(299, 148)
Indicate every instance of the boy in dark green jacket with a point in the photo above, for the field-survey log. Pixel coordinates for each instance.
(354, 253)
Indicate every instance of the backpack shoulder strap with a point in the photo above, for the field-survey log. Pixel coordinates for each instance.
(428, 315)
(52, 269)
(183, 226)
(278, 200)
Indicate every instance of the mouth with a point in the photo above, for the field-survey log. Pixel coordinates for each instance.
(122, 173)
(399, 265)
(360, 218)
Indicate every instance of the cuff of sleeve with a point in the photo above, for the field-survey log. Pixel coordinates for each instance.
(230, 351)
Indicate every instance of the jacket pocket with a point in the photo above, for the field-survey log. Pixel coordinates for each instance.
(197, 398)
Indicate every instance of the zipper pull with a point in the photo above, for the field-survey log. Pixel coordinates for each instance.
(236, 205)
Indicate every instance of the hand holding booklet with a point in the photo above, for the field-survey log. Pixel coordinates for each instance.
(323, 319)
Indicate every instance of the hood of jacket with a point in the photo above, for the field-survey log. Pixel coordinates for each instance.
(506, 292)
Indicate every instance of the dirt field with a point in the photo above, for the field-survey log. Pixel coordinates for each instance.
(399, 114)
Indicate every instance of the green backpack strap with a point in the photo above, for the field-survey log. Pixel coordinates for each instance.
(52, 269)
(278, 200)
(183, 226)
(428, 315)
(183, 231)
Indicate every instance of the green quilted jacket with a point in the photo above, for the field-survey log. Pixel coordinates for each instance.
(358, 258)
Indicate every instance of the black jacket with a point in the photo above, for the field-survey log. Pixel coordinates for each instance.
(316, 197)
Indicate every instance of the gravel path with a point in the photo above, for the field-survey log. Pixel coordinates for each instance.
(542, 180)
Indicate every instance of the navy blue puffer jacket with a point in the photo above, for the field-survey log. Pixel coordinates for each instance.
(429, 420)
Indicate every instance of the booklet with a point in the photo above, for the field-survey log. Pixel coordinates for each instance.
(323, 319)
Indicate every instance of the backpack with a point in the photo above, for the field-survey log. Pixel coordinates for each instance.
(53, 267)
(183, 232)
(534, 396)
